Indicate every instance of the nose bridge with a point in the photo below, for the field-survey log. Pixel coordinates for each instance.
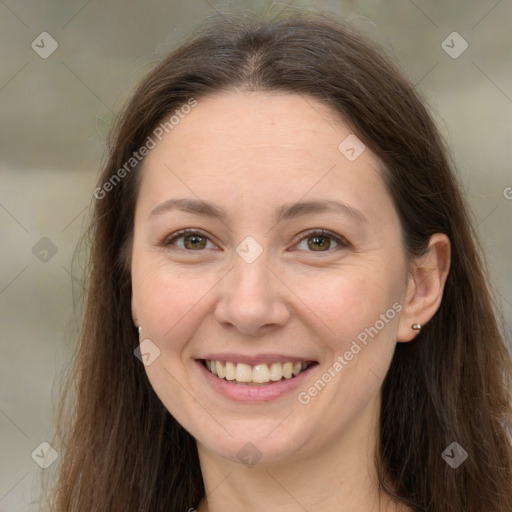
(250, 297)
(252, 275)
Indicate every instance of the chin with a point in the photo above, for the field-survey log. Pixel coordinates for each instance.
(256, 442)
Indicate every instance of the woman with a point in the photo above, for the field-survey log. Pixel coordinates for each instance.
(286, 308)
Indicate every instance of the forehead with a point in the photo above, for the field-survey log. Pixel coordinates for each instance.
(245, 120)
(264, 147)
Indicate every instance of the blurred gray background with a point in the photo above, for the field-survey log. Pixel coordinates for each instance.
(56, 110)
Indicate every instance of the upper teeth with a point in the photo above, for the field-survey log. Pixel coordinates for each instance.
(259, 373)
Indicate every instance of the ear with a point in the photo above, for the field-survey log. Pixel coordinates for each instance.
(425, 286)
(135, 316)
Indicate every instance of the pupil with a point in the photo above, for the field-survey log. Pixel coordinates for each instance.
(316, 245)
(193, 240)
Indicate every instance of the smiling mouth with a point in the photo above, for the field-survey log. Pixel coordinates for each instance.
(258, 374)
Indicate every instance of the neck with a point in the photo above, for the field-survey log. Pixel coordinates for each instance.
(340, 476)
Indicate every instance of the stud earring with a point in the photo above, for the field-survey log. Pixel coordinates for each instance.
(416, 327)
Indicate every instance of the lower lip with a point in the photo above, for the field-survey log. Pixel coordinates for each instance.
(239, 392)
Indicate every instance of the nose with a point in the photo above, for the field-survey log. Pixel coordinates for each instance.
(252, 299)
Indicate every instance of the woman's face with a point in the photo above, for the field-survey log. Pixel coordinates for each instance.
(255, 176)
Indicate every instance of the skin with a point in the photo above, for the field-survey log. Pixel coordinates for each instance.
(250, 153)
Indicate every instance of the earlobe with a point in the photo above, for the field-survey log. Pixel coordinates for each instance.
(425, 287)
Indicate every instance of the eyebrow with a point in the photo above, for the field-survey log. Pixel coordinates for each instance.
(285, 212)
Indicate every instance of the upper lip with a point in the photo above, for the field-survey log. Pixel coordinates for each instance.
(256, 358)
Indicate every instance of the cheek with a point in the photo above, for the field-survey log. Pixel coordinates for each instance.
(168, 303)
(358, 314)
(167, 300)
(348, 304)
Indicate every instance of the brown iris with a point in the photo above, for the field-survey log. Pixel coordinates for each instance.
(197, 241)
(315, 245)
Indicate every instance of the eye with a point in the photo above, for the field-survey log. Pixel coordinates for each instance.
(192, 240)
(316, 240)
(320, 240)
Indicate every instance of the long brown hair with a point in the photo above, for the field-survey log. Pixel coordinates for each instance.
(120, 448)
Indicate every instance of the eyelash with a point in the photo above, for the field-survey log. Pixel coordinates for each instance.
(342, 242)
